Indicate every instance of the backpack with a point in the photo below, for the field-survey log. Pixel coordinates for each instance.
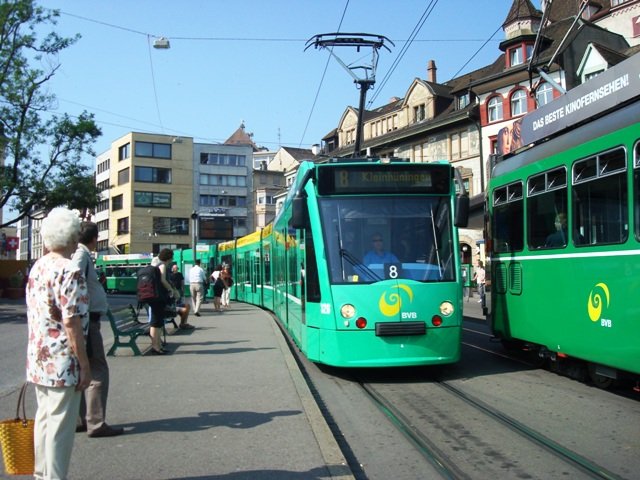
(149, 288)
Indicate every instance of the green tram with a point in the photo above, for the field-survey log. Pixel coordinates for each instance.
(564, 227)
(342, 304)
(121, 270)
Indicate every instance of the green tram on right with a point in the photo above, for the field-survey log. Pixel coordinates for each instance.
(564, 231)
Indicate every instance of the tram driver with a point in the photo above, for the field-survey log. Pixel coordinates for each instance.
(378, 255)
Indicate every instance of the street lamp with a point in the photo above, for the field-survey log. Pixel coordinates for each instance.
(194, 223)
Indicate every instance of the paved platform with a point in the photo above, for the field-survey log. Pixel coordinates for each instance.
(228, 402)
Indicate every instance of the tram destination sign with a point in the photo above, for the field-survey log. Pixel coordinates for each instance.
(616, 86)
(385, 179)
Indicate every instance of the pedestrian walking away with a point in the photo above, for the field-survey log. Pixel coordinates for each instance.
(480, 279)
(197, 280)
(93, 405)
(57, 363)
(228, 283)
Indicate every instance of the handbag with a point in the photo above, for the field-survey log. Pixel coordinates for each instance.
(16, 439)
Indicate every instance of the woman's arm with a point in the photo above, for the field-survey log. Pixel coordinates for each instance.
(165, 282)
(73, 328)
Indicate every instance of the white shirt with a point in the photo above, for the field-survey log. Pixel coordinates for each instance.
(196, 275)
(97, 296)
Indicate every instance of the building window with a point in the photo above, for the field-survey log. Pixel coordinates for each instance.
(515, 56)
(222, 201)
(124, 152)
(518, 103)
(223, 159)
(123, 225)
(223, 180)
(170, 226)
(455, 146)
(419, 113)
(495, 109)
(463, 101)
(152, 199)
(103, 225)
(590, 75)
(116, 203)
(102, 206)
(152, 175)
(544, 94)
(123, 176)
(153, 150)
(265, 199)
(103, 166)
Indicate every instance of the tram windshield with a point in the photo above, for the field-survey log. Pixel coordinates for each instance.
(369, 239)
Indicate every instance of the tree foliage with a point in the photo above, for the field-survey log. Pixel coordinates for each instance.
(42, 151)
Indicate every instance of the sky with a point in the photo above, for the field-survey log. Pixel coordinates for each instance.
(245, 61)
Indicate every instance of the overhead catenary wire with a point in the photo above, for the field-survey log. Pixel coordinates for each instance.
(152, 36)
(416, 29)
(324, 72)
(153, 81)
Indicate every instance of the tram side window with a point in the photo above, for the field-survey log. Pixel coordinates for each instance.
(267, 264)
(600, 199)
(636, 186)
(547, 209)
(508, 218)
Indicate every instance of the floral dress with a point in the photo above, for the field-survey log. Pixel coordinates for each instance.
(55, 290)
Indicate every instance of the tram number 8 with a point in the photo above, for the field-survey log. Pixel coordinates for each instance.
(392, 270)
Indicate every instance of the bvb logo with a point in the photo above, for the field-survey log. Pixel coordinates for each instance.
(392, 306)
(594, 304)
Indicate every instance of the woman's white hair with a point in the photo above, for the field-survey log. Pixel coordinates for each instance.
(60, 228)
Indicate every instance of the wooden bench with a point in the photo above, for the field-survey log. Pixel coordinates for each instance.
(124, 323)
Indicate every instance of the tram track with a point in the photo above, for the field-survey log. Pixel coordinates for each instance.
(449, 430)
(435, 453)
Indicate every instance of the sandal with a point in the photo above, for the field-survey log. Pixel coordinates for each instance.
(186, 326)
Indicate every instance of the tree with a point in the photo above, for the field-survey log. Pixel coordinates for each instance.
(40, 153)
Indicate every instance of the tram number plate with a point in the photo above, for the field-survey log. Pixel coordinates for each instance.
(392, 270)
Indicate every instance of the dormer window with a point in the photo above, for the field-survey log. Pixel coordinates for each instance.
(418, 113)
(463, 101)
(515, 57)
(519, 54)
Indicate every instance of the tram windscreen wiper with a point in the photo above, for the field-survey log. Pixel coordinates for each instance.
(349, 257)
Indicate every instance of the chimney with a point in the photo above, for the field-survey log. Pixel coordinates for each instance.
(431, 71)
(315, 149)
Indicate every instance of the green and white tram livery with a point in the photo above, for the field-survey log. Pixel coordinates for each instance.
(361, 265)
(564, 226)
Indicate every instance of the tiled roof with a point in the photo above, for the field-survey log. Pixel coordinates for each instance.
(570, 8)
(611, 56)
(299, 153)
(241, 137)
(522, 9)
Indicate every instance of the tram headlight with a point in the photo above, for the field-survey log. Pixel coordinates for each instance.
(446, 309)
(347, 310)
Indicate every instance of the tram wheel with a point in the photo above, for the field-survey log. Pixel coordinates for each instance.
(598, 380)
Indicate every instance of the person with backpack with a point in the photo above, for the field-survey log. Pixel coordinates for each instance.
(158, 301)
